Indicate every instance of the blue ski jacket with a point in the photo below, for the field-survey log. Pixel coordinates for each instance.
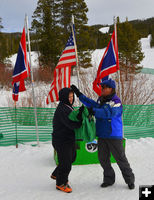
(108, 117)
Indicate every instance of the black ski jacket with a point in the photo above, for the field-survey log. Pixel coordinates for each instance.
(63, 127)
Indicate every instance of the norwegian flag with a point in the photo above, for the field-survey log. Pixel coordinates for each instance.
(21, 69)
(62, 72)
(108, 65)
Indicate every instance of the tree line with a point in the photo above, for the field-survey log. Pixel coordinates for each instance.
(51, 27)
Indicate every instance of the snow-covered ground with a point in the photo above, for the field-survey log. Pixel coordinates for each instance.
(34, 59)
(25, 174)
(148, 61)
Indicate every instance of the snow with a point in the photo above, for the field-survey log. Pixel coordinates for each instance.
(34, 59)
(148, 61)
(104, 29)
(25, 174)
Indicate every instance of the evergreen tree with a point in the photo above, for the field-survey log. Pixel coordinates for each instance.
(52, 24)
(1, 24)
(152, 40)
(2, 44)
(130, 54)
(78, 9)
(45, 24)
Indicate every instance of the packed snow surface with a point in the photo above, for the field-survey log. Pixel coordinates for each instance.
(25, 174)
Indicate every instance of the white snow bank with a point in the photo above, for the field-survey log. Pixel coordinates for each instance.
(104, 29)
(34, 59)
(25, 174)
(148, 61)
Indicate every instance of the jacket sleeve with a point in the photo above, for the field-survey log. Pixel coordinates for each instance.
(108, 112)
(88, 102)
(67, 122)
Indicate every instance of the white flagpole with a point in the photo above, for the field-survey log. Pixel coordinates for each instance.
(116, 42)
(118, 72)
(77, 61)
(33, 94)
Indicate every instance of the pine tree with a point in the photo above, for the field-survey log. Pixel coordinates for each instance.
(52, 24)
(1, 24)
(78, 9)
(2, 44)
(130, 54)
(45, 24)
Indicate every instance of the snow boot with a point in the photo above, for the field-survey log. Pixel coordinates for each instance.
(131, 186)
(103, 185)
(65, 188)
(53, 177)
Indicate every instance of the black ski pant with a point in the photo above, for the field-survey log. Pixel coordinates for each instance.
(66, 153)
(114, 146)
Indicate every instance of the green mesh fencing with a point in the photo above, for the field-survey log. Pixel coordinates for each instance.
(138, 121)
(18, 125)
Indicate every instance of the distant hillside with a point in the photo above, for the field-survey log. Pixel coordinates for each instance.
(143, 27)
(100, 40)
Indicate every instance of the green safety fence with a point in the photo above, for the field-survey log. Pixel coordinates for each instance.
(19, 124)
(147, 71)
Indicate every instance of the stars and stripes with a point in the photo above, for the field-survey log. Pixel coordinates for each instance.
(62, 72)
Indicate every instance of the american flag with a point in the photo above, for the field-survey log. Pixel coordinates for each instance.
(62, 72)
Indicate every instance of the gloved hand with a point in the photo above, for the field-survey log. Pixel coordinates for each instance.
(79, 116)
(90, 110)
(76, 90)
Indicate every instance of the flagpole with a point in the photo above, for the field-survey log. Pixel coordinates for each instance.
(77, 60)
(16, 124)
(33, 94)
(118, 72)
(116, 42)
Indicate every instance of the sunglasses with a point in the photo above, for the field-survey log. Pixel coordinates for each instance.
(104, 86)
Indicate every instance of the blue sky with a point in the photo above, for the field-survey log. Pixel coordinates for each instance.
(13, 12)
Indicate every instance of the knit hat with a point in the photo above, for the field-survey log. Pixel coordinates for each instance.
(109, 83)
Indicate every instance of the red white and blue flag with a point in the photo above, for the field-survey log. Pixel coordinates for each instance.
(21, 69)
(62, 72)
(108, 65)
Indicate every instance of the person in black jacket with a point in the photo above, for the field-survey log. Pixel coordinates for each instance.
(63, 138)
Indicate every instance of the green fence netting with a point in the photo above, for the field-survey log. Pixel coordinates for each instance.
(19, 124)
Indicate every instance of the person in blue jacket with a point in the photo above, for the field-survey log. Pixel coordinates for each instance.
(109, 129)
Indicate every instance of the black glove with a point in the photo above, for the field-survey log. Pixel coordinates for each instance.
(76, 90)
(79, 116)
(90, 110)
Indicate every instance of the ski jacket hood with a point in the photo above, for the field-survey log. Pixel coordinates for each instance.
(64, 96)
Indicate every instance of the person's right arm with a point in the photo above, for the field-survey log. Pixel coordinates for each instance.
(88, 102)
